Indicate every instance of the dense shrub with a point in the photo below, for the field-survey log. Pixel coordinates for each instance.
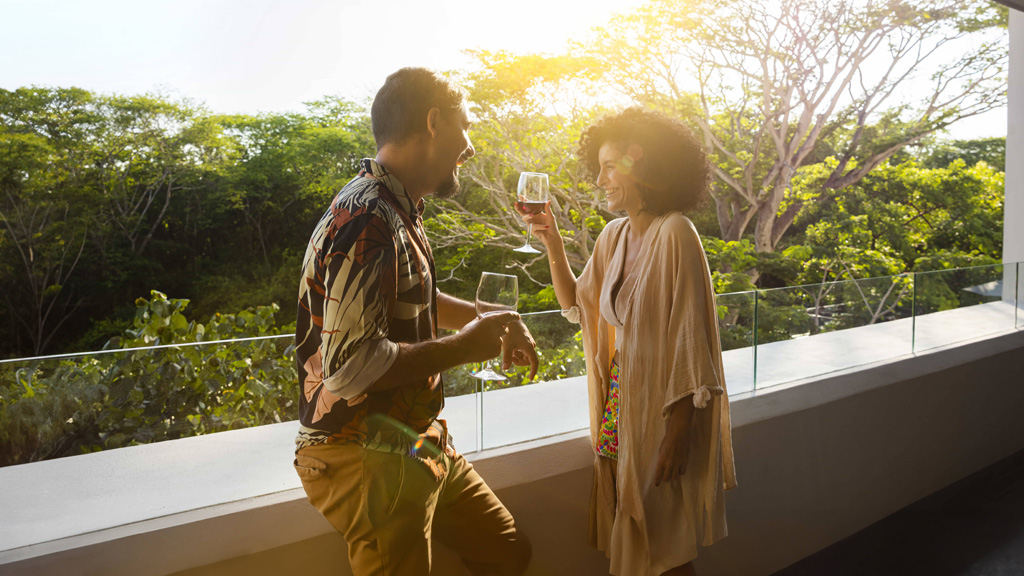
(129, 395)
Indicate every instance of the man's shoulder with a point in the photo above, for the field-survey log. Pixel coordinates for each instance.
(362, 197)
(363, 192)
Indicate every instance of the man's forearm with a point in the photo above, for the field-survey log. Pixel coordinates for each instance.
(418, 361)
(478, 340)
(453, 313)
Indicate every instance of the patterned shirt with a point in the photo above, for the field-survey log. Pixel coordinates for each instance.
(368, 284)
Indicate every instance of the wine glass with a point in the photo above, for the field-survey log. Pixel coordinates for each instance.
(496, 293)
(532, 198)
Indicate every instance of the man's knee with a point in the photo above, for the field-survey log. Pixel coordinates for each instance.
(513, 561)
(519, 557)
(522, 556)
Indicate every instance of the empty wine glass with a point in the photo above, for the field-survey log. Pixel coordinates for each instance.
(532, 198)
(496, 293)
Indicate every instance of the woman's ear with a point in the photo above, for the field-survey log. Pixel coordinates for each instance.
(631, 159)
(635, 151)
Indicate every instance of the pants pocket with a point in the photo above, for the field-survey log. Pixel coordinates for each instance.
(309, 468)
(383, 481)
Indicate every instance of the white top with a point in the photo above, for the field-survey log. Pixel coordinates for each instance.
(614, 303)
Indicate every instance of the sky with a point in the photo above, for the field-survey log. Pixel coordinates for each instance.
(272, 55)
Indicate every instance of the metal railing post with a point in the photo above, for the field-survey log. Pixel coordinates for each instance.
(913, 316)
(756, 301)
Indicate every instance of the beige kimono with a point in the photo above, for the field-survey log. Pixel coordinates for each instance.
(670, 350)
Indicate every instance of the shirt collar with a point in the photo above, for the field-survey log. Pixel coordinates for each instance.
(371, 167)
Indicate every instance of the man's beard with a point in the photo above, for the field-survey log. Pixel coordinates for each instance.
(449, 189)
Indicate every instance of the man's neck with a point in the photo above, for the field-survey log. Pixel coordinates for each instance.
(406, 165)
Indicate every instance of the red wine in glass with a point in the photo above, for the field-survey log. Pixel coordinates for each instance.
(532, 206)
(532, 197)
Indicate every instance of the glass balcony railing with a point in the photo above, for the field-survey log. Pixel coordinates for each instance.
(737, 324)
(516, 410)
(805, 331)
(64, 405)
(955, 305)
(70, 404)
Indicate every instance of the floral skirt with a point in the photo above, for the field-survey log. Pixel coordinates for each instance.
(608, 434)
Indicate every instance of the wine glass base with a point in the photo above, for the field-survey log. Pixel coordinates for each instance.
(488, 374)
(526, 250)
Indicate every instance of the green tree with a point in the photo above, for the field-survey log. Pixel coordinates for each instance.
(769, 84)
(42, 230)
(941, 153)
(529, 112)
(287, 167)
(143, 191)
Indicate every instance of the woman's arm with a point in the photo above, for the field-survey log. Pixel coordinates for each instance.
(694, 377)
(546, 230)
(561, 274)
(675, 447)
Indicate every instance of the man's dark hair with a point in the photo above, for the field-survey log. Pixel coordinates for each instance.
(401, 105)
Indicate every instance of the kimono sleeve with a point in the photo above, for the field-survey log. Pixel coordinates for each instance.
(586, 278)
(692, 331)
(359, 272)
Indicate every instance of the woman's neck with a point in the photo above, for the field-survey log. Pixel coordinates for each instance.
(639, 222)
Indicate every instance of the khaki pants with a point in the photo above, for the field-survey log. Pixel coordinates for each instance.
(390, 507)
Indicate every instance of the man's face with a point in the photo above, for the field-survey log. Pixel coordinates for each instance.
(453, 148)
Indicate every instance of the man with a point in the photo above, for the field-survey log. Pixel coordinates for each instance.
(373, 456)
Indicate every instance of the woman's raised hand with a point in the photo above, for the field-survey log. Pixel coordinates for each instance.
(544, 226)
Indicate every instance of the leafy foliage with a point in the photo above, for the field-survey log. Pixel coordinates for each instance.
(102, 197)
(128, 395)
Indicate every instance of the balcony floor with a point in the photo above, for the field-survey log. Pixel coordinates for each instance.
(973, 527)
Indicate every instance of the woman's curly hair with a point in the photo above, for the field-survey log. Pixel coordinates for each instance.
(674, 172)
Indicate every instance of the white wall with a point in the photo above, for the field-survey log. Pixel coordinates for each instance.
(1013, 227)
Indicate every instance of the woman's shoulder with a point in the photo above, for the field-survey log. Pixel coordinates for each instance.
(611, 229)
(614, 225)
(676, 227)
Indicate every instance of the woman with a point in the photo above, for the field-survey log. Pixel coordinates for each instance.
(659, 413)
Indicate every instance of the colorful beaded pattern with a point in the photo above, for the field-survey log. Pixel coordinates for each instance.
(608, 435)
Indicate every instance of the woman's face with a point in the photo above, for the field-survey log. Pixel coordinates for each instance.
(616, 177)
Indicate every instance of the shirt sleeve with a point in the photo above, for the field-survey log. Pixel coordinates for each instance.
(359, 272)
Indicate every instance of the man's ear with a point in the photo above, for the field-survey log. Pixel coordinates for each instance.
(433, 119)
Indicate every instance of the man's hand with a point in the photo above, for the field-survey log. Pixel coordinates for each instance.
(675, 448)
(519, 348)
(481, 338)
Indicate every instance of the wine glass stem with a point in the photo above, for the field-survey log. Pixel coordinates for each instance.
(529, 234)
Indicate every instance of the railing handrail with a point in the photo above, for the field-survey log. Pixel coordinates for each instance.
(157, 347)
(277, 336)
(900, 275)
